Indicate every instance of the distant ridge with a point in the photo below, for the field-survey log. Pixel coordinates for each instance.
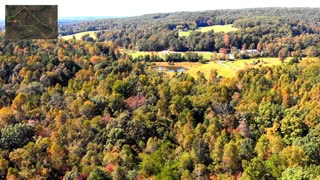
(85, 18)
(77, 18)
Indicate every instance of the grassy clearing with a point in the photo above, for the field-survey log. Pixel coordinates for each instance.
(136, 54)
(215, 28)
(205, 55)
(187, 65)
(218, 28)
(206, 69)
(185, 33)
(244, 63)
(225, 69)
(79, 35)
(193, 68)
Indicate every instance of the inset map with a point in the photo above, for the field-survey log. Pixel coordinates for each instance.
(31, 22)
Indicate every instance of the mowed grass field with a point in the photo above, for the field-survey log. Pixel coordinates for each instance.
(136, 54)
(194, 68)
(216, 28)
(225, 69)
(244, 63)
(79, 35)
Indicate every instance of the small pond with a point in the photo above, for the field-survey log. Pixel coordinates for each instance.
(170, 68)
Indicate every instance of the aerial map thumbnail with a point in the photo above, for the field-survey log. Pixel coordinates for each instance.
(31, 22)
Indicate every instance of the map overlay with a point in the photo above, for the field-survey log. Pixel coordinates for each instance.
(31, 22)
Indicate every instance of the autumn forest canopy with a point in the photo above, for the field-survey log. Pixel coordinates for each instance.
(88, 109)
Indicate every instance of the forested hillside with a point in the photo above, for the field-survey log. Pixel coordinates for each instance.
(192, 20)
(269, 30)
(84, 109)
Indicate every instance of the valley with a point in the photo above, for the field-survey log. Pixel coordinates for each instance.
(213, 94)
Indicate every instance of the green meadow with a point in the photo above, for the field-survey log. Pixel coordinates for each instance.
(79, 35)
(215, 28)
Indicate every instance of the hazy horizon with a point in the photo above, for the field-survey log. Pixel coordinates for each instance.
(82, 17)
(127, 8)
(2, 19)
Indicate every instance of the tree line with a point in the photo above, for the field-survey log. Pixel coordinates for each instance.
(275, 32)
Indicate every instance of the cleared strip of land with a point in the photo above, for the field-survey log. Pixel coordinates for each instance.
(224, 68)
(79, 35)
(215, 28)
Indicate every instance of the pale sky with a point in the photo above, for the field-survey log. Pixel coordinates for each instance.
(68, 8)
